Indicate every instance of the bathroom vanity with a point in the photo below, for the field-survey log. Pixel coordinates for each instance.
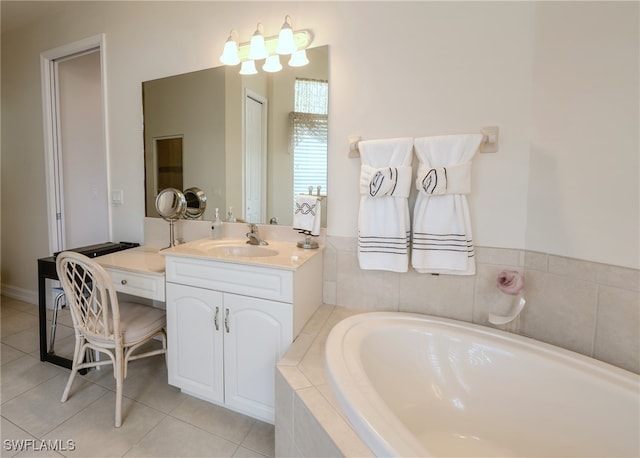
(233, 310)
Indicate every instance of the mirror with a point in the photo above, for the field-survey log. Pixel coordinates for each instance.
(196, 203)
(171, 205)
(231, 136)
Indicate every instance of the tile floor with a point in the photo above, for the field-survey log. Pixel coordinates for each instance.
(158, 420)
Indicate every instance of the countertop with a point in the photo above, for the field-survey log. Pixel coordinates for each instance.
(287, 254)
(144, 258)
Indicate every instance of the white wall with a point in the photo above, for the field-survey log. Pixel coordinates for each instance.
(396, 69)
(585, 160)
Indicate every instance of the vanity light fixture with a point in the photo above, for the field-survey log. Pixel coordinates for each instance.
(269, 49)
(230, 52)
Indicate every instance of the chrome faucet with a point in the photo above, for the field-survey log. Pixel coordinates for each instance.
(254, 236)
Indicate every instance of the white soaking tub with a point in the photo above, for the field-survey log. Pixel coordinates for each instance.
(414, 385)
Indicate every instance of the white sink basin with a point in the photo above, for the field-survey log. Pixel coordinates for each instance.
(246, 251)
(279, 254)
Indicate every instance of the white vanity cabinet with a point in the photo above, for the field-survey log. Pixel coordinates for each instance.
(137, 271)
(141, 284)
(228, 324)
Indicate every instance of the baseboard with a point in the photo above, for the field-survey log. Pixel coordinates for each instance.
(20, 294)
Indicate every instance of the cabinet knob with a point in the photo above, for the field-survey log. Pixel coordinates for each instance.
(123, 282)
(226, 319)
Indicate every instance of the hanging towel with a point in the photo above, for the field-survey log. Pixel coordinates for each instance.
(384, 227)
(307, 214)
(442, 236)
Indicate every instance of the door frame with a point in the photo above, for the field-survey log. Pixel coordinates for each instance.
(51, 131)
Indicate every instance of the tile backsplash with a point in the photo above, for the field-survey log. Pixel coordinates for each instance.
(583, 306)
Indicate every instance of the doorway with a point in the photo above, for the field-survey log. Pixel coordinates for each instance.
(75, 145)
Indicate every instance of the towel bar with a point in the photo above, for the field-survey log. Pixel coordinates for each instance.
(490, 138)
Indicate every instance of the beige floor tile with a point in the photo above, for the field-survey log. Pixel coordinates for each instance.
(39, 410)
(261, 439)
(246, 453)
(14, 321)
(26, 341)
(215, 419)
(40, 449)
(173, 438)
(9, 354)
(12, 437)
(16, 304)
(147, 382)
(24, 373)
(93, 431)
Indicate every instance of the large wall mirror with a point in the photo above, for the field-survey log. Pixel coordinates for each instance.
(244, 140)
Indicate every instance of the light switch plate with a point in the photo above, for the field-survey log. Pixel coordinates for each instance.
(116, 196)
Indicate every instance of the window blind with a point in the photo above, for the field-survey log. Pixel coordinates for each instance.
(309, 134)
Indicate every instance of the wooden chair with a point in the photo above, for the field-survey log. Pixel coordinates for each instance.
(103, 324)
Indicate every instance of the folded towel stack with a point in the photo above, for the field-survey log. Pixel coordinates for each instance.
(442, 235)
(307, 214)
(383, 220)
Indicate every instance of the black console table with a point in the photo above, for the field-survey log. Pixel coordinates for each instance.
(47, 269)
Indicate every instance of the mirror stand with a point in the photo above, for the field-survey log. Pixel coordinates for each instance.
(172, 236)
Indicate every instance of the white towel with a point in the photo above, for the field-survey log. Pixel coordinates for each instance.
(384, 226)
(442, 235)
(307, 214)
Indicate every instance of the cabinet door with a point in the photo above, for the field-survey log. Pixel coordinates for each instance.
(259, 332)
(195, 351)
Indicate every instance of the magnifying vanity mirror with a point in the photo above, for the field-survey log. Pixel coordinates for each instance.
(241, 139)
(196, 202)
(171, 205)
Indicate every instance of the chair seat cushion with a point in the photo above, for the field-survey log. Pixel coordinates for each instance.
(139, 321)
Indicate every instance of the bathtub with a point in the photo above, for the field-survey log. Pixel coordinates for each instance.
(415, 385)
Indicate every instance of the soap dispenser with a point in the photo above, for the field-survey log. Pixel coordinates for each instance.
(230, 217)
(216, 226)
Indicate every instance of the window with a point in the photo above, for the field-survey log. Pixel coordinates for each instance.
(308, 143)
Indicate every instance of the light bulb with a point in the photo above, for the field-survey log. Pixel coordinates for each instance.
(272, 64)
(298, 59)
(286, 44)
(230, 53)
(257, 50)
(248, 68)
